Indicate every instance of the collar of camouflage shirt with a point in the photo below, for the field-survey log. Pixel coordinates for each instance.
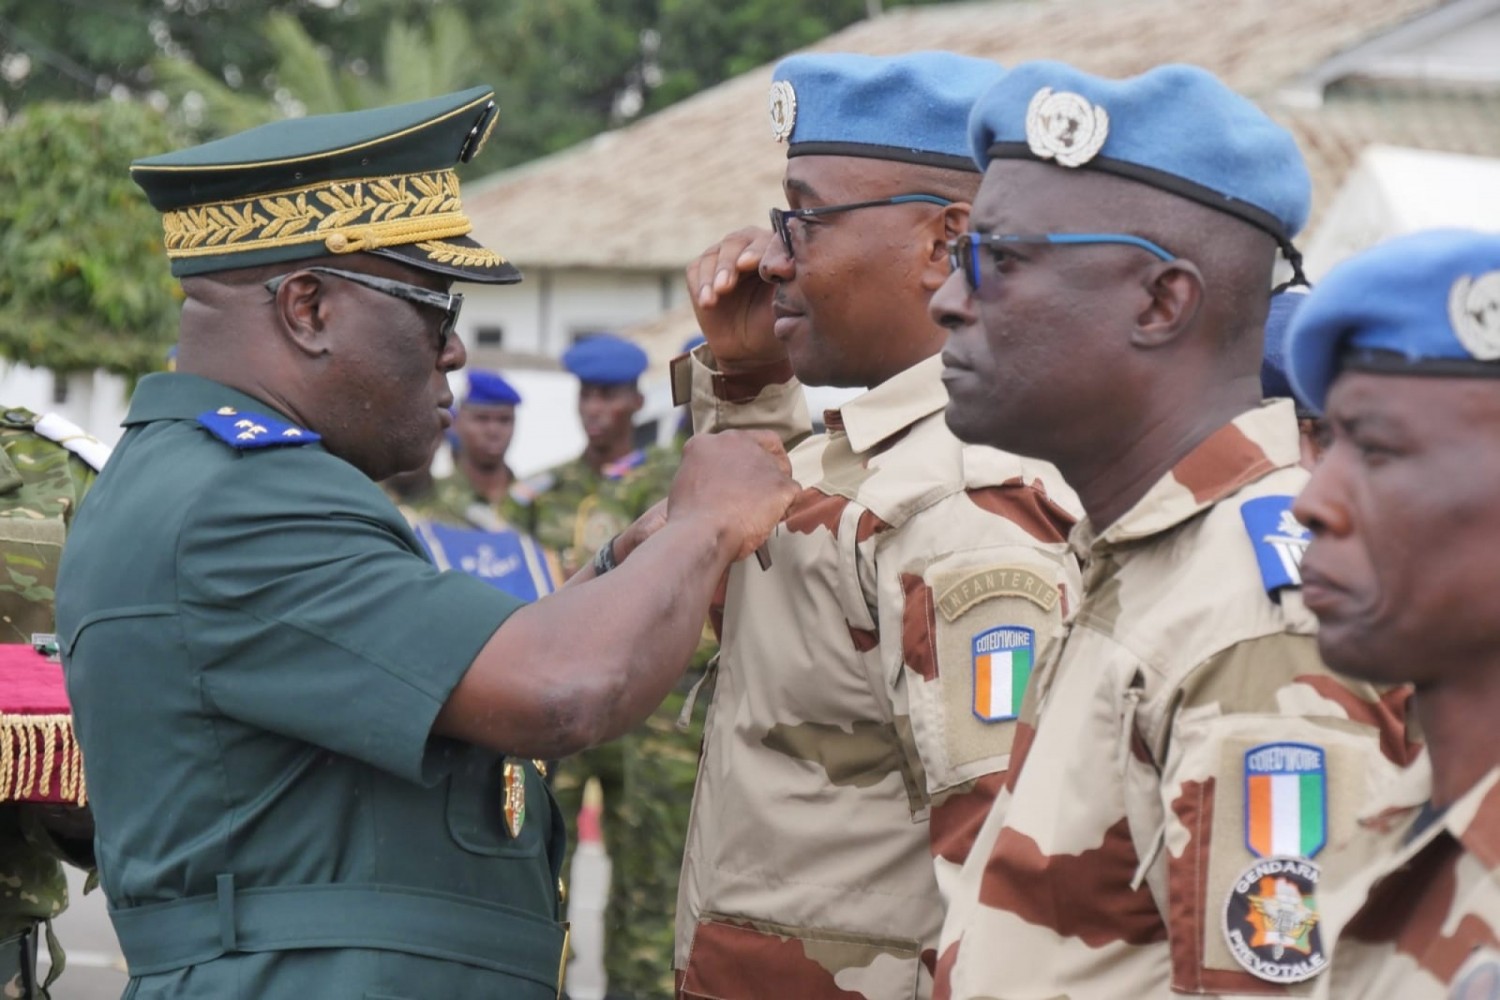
(894, 405)
(1252, 446)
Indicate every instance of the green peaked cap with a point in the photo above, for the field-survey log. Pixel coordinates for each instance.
(379, 181)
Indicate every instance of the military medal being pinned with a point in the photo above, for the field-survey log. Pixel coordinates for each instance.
(1065, 128)
(515, 798)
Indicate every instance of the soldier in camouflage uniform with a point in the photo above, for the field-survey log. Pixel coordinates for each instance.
(866, 693)
(1185, 756)
(1398, 348)
(46, 466)
(646, 775)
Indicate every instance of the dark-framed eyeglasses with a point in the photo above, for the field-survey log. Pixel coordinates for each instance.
(448, 302)
(781, 216)
(963, 252)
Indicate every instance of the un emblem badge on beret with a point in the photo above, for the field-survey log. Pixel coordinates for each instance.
(1065, 127)
(1474, 311)
(782, 105)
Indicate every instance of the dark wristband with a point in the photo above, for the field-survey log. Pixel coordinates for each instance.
(604, 559)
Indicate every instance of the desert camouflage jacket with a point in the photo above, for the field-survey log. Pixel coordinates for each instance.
(1423, 919)
(1181, 758)
(866, 689)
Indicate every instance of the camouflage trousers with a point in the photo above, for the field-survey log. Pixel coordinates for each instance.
(647, 777)
(18, 953)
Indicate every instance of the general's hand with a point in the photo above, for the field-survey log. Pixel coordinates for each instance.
(641, 529)
(733, 304)
(740, 481)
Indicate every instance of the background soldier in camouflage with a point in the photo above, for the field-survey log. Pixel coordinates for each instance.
(44, 473)
(865, 697)
(1186, 753)
(1398, 347)
(482, 429)
(647, 775)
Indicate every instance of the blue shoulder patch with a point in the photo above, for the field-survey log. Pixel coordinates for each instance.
(244, 430)
(1279, 540)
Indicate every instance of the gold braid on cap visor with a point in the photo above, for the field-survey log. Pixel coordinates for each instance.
(346, 216)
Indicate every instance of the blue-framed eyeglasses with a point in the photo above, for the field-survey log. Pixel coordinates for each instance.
(449, 302)
(963, 252)
(781, 216)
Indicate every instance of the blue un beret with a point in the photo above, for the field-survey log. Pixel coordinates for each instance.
(490, 389)
(912, 108)
(1273, 379)
(605, 360)
(1175, 127)
(1428, 303)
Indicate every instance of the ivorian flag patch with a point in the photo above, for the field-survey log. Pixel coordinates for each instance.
(1286, 800)
(1003, 660)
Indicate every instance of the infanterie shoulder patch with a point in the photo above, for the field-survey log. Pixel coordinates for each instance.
(1279, 540)
(1286, 800)
(245, 431)
(1271, 921)
(1003, 659)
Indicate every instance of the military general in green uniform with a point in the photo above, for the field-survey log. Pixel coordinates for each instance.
(309, 750)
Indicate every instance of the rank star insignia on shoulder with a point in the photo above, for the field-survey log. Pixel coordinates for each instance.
(245, 431)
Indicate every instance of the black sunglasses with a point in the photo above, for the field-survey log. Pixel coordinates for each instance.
(449, 302)
(780, 216)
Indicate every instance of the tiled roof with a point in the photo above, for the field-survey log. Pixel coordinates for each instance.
(652, 195)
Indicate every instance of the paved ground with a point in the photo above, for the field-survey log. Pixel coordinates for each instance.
(96, 970)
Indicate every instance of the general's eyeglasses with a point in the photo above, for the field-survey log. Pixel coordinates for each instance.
(448, 302)
(963, 252)
(781, 216)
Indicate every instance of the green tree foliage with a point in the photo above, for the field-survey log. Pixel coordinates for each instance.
(83, 278)
(563, 70)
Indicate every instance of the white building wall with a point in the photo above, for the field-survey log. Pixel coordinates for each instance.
(545, 312)
(95, 401)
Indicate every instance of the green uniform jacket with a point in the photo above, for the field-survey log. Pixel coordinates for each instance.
(256, 650)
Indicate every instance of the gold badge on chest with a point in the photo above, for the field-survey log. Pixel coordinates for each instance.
(515, 798)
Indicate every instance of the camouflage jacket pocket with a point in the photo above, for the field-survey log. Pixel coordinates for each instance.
(741, 959)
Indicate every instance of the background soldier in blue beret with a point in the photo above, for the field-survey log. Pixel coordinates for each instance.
(647, 775)
(482, 432)
(308, 750)
(1400, 349)
(1274, 381)
(1105, 313)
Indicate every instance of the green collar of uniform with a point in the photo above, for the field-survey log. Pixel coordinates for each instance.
(179, 396)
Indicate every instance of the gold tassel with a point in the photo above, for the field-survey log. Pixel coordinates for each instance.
(36, 752)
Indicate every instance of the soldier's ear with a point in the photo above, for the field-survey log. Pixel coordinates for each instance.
(302, 310)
